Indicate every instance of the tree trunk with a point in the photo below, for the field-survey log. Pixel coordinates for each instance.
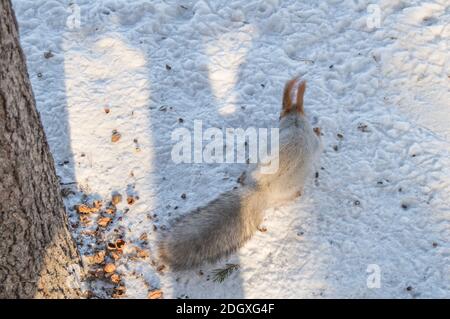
(38, 257)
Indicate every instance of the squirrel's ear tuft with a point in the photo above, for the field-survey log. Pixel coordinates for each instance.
(287, 101)
(300, 93)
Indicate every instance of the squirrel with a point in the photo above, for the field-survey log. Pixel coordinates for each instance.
(222, 226)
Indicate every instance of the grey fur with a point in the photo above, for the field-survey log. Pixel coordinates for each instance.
(226, 223)
(213, 231)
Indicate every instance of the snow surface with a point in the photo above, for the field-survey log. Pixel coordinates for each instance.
(382, 195)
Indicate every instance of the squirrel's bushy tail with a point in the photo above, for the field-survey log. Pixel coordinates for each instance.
(213, 231)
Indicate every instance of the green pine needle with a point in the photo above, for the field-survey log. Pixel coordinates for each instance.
(219, 275)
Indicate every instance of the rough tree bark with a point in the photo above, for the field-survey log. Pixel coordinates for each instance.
(38, 258)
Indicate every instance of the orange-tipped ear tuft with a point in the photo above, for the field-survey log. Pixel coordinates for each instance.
(300, 93)
(287, 102)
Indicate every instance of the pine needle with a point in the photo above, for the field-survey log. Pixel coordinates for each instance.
(219, 275)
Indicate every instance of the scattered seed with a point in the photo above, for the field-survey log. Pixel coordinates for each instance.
(83, 209)
(48, 54)
(131, 200)
(115, 278)
(99, 273)
(109, 268)
(262, 229)
(168, 67)
(97, 204)
(143, 237)
(142, 253)
(120, 243)
(119, 291)
(155, 294)
(161, 268)
(103, 221)
(110, 210)
(116, 254)
(98, 258)
(183, 196)
(363, 127)
(115, 137)
(121, 288)
(116, 198)
(85, 220)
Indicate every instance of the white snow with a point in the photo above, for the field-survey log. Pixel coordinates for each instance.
(382, 196)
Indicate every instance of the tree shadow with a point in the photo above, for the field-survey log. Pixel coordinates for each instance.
(182, 93)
